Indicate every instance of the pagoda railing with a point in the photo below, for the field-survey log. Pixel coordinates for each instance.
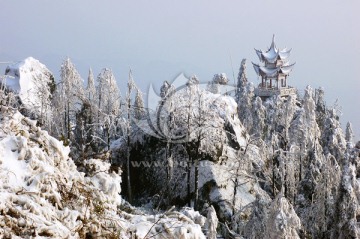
(267, 92)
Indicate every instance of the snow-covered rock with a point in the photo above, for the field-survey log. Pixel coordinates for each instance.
(33, 83)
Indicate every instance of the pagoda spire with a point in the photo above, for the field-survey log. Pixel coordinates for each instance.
(273, 42)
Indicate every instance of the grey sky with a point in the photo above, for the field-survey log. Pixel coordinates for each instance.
(159, 39)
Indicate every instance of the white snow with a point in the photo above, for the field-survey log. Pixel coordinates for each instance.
(14, 169)
(27, 78)
(43, 195)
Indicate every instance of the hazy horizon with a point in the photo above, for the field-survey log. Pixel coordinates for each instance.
(160, 39)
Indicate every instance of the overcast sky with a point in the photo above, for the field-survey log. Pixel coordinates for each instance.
(159, 39)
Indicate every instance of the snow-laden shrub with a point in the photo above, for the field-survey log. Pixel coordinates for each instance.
(43, 195)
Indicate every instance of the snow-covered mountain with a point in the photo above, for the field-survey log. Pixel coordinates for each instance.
(253, 167)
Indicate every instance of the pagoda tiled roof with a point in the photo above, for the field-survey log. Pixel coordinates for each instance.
(272, 72)
(273, 53)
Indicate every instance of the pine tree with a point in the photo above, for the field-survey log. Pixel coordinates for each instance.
(311, 128)
(282, 222)
(166, 89)
(347, 204)
(306, 194)
(290, 108)
(108, 99)
(90, 88)
(220, 79)
(349, 135)
(213, 87)
(320, 107)
(259, 115)
(322, 210)
(242, 80)
(69, 96)
(255, 228)
(85, 129)
(332, 139)
(139, 107)
(274, 117)
(244, 95)
(245, 106)
(130, 87)
(83, 134)
(44, 89)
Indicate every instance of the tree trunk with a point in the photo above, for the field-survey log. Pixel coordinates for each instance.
(64, 129)
(188, 182)
(300, 165)
(235, 192)
(128, 152)
(285, 180)
(196, 196)
(273, 175)
(68, 120)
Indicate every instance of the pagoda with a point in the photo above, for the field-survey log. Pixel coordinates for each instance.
(274, 72)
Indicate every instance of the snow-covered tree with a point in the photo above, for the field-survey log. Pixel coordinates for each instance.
(244, 96)
(220, 79)
(108, 99)
(312, 131)
(290, 108)
(255, 228)
(85, 130)
(68, 98)
(242, 80)
(44, 88)
(322, 211)
(282, 222)
(90, 88)
(213, 87)
(332, 138)
(139, 107)
(166, 89)
(274, 118)
(212, 223)
(245, 106)
(127, 130)
(304, 130)
(193, 81)
(259, 115)
(347, 204)
(349, 135)
(320, 107)
(298, 131)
